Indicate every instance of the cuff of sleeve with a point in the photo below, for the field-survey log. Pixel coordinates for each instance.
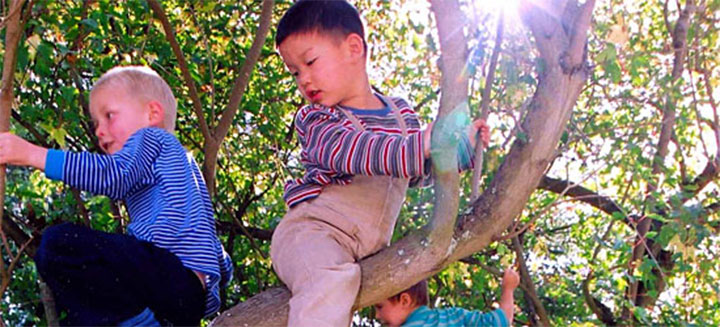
(54, 162)
(466, 154)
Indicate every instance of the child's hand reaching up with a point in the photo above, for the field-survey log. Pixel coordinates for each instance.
(16, 151)
(511, 279)
(479, 126)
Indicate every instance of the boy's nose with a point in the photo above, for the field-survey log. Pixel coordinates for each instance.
(303, 80)
(98, 131)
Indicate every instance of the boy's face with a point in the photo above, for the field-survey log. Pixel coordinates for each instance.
(117, 115)
(393, 313)
(322, 65)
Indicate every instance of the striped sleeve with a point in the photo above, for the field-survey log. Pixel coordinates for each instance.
(114, 175)
(494, 318)
(331, 142)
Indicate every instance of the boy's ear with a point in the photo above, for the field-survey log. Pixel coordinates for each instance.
(156, 113)
(355, 46)
(406, 300)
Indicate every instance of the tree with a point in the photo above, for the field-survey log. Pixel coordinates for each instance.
(609, 185)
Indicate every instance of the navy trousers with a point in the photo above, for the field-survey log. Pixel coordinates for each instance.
(101, 279)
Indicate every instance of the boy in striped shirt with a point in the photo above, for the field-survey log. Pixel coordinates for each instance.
(409, 308)
(360, 151)
(171, 265)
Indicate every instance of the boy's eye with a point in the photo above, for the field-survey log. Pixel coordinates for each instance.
(295, 74)
(309, 63)
(109, 115)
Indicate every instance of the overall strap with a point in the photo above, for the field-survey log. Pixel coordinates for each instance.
(352, 118)
(398, 116)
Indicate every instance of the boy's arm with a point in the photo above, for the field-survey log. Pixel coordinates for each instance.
(111, 175)
(16, 151)
(328, 143)
(507, 303)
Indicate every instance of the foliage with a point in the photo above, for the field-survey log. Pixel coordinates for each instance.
(609, 148)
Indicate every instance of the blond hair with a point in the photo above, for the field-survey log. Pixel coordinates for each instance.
(144, 83)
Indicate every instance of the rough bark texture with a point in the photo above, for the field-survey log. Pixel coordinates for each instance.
(636, 290)
(397, 267)
(7, 95)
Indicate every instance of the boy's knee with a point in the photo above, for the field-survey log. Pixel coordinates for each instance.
(52, 238)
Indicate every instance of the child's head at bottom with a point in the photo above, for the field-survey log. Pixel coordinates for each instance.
(394, 310)
(127, 99)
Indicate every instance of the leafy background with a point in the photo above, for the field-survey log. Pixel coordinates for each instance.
(577, 254)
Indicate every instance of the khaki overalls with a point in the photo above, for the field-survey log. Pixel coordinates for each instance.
(316, 246)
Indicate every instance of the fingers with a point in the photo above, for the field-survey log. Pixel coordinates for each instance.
(479, 126)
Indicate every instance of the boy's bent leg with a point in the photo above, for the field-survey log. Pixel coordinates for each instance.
(320, 272)
(102, 278)
(70, 261)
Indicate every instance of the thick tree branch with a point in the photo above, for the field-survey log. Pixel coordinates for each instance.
(576, 53)
(13, 33)
(580, 193)
(454, 84)
(679, 35)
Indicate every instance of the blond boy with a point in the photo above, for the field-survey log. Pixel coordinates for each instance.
(170, 266)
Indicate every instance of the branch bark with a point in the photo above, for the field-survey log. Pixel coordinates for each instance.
(679, 35)
(529, 288)
(13, 32)
(485, 106)
(581, 194)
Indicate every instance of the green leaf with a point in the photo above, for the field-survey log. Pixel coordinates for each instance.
(89, 22)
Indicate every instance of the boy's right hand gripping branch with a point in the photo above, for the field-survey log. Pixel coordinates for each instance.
(16, 151)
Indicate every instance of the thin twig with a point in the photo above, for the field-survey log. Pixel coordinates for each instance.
(485, 108)
(517, 231)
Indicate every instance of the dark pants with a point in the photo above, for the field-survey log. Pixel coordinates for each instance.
(100, 278)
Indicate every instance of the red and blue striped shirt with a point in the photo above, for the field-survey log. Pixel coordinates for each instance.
(334, 150)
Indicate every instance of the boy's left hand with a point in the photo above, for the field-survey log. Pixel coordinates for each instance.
(479, 126)
(511, 279)
(16, 151)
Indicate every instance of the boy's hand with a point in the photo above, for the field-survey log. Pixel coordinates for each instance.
(511, 279)
(16, 151)
(479, 126)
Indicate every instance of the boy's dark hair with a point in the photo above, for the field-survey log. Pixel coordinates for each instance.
(330, 16)
(417, 292)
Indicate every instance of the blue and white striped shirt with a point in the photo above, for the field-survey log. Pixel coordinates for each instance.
(165, 195)
(454, 317)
